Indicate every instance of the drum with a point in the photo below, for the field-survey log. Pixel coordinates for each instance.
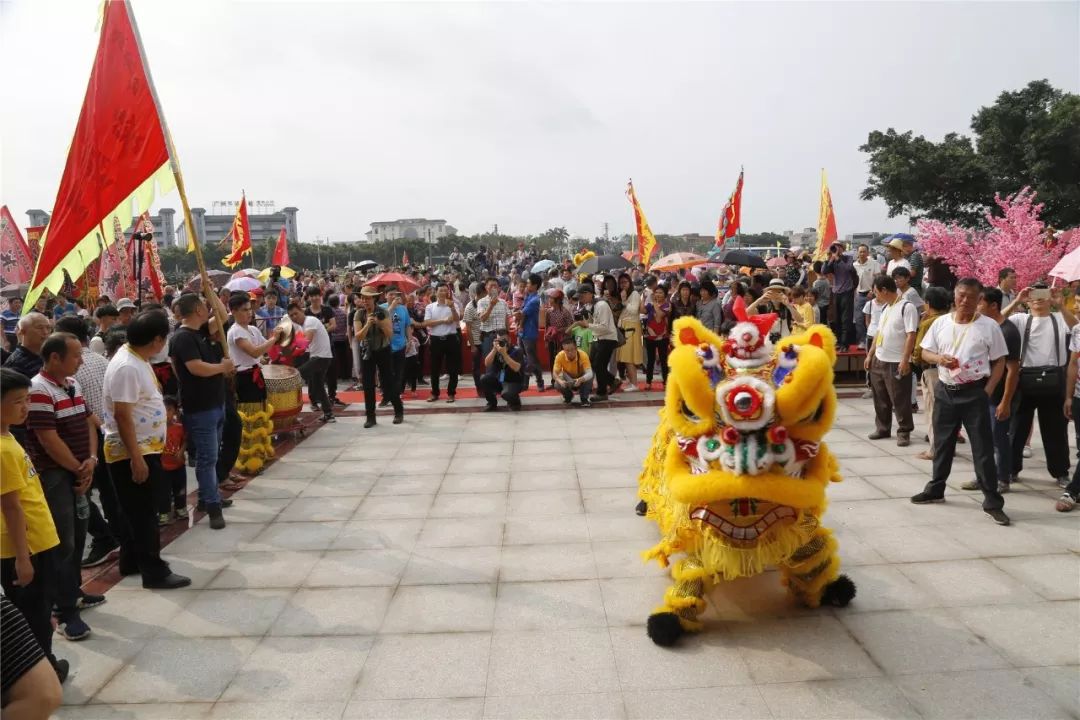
(283, 391)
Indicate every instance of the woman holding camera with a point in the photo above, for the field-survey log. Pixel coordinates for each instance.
(372, 328)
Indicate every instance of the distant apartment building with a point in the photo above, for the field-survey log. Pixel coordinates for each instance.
(213, 228)
(164, 225)
(409, 229)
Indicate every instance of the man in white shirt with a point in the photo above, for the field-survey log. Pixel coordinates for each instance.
(888, 361)
(1044, 351)
(320, 355)
(969, 350)
(491, 314)
(441, 319)
(895, 250)
(246, 347)
(902, 277)
(607, 339)
(866, 269)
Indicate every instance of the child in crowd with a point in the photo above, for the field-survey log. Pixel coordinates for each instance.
(412, 364)
(172, 491)
(806, 315)
(28, 539)
(814, 297)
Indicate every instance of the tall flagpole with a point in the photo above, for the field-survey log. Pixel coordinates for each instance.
(212, 299)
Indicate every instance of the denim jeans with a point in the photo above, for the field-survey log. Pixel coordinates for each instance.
(532, 362)
(59, 487)
(204, 430)
(566, 387)
(1002, 445)
(859, 321)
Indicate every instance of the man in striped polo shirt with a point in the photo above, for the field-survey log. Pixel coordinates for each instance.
(62, 443)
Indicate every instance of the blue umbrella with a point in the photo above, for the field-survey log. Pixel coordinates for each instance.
(543, 266)
(906, 237)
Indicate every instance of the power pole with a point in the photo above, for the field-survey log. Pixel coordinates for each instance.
(496, 228)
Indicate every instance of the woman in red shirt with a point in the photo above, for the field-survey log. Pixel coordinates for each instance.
(558, 319)
(657, 334)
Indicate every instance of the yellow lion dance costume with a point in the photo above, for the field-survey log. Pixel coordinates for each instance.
(737, 473)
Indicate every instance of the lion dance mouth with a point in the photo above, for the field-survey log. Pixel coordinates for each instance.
(743, 520)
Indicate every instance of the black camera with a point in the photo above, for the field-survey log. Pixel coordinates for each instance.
(502, 343)
(380, 314)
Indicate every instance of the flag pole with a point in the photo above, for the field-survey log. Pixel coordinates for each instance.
(211, 298)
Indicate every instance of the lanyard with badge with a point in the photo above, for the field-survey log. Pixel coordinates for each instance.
(884, 319)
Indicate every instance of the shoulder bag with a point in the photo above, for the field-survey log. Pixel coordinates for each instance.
(1044, 381)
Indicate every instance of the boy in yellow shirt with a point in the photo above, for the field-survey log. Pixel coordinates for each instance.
(27, 534)
(572, 372)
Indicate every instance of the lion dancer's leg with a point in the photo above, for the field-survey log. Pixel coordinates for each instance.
(812, 573)
(683, 602)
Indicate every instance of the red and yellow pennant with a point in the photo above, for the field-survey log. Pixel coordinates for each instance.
(241, 236)
(731, 216)
(826, 227)
(646, 241)
(118, 160)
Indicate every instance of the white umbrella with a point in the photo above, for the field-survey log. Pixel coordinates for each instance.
(543, 266)
(1068, 267)
(243, 284)
(246, 272)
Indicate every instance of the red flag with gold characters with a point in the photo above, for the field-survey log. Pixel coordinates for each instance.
(731, 217)
(118, 160)
(241, 236)
(826, 227)
(646, 241)
(281, 250)
(16, 262)
(405, 257)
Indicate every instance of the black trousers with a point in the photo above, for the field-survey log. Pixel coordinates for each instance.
(445, 349)
(380, 360)
(845, 308)
(397, 369)
(314, 374)
(35, 601)
(143, 549)
(59, 487)
(656, 350)
(492, 387)
(1053, 426)
(965, 406)
(231, 436)
(600, 357)
(477, 365)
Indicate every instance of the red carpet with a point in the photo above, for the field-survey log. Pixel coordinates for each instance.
(423, 392)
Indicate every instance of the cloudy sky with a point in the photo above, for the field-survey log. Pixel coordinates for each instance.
(530, 115)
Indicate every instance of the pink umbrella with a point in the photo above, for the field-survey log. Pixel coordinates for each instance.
(1068, 267)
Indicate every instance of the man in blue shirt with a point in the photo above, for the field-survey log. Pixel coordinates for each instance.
(844, 280)
(270, 314)
(529, 330)
(400, 321)
(63, 307)
(10, 316)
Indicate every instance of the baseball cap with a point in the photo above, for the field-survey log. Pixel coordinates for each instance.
(124, 303)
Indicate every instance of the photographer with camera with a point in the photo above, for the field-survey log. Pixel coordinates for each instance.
(372, 328)
(503, 373)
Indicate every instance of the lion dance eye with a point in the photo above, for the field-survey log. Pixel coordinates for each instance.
(743, 402)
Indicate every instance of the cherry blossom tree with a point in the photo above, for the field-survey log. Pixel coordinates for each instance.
(1017, 239)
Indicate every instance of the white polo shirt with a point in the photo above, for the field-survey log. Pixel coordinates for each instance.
(435, 311)
(1040, 345)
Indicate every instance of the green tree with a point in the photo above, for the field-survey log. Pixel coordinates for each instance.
(1030, 137)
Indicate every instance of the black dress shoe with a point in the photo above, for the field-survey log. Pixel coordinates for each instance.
(169, 582)
(62, 668)
(370, 423)
(225, 502)
(398, 419)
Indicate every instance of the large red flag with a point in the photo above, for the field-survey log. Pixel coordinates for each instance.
(281, 250)
(117, 155)
(16, 263)
(731, 217)
(241, 236)
(826, 229)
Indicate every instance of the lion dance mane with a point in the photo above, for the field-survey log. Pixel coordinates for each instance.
(735, 479)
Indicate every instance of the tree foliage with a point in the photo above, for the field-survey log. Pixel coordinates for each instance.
(1027, 138)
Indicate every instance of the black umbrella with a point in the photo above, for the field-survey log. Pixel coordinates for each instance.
(603, 263)
(738, 257)
(365, 265)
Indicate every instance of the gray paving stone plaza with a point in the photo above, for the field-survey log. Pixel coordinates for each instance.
(470, 565)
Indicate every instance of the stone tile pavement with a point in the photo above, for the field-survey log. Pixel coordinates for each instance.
(471, 565)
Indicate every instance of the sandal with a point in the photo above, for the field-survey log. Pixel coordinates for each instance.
(926, 455)
(1065, 503)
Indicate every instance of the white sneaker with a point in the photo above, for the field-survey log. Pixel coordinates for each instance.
(630, 388)
(1027, 451)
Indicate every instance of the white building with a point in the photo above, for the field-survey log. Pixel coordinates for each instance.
(409, 229)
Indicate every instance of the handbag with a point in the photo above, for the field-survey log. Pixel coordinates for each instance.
(620, 337)
(1043, 381)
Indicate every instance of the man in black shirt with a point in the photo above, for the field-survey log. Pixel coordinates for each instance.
(1003, 399)
(32, 331)
(201, 372)
(502, 373)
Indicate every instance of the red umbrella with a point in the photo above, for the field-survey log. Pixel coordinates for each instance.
(775, 262)
(403, 282)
